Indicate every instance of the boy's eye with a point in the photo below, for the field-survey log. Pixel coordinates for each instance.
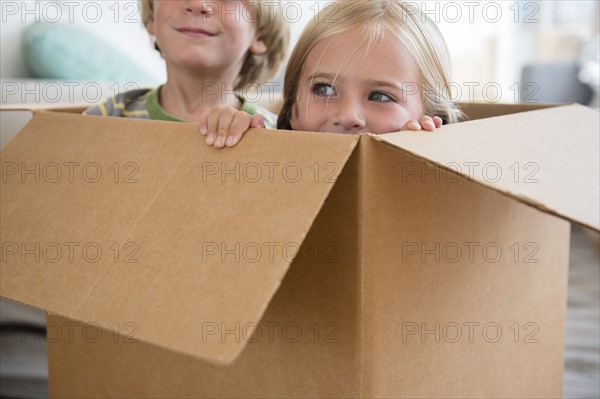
(323, 89)
(379, 96)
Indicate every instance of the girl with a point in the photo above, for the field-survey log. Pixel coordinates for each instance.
(369, 66)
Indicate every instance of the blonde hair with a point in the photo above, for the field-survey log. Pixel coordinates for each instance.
(270, 26)
(417, 32)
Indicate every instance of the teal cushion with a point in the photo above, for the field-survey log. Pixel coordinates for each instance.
(70, 52)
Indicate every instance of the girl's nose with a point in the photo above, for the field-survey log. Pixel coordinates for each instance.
(349, 116)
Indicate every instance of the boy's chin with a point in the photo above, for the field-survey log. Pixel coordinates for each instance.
(196, 65)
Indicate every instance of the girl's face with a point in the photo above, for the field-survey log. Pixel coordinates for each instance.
(343, 89)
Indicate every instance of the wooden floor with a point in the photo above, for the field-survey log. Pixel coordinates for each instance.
(582, 354)
(23, 370)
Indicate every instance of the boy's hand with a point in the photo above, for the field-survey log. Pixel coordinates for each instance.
(224, 126)
(424, 123)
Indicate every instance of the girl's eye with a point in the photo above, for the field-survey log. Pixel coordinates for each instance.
(322, 89)
(380, 97)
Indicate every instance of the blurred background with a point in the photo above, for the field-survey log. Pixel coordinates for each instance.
(83, 51)
(508, 51)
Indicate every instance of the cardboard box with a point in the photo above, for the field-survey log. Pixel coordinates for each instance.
(299, 264)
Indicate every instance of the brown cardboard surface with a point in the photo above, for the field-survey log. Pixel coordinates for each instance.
(481, 110)
(307, 345)
(72, 108)
(545, 158)
(167, 218)
(361, 208)
(447, 312)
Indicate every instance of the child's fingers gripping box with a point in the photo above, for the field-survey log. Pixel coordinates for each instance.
(299, 264)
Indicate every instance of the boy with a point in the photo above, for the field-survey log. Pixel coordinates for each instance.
(211, 48)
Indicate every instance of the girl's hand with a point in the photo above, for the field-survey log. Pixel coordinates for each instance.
(424, 123)
(225, 126)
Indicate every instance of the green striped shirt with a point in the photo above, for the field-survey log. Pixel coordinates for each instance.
(144, 104)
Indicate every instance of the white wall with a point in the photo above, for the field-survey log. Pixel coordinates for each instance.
(494, 40)
(115, 21)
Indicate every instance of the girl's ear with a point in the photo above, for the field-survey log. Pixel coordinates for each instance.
(294, 116)
(258, 46)
(150, 26)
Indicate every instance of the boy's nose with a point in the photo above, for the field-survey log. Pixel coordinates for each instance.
(349, 116)
(198, 7)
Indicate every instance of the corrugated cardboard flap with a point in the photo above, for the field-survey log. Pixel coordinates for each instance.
(70, 107)
(548, 158)
(141, 228)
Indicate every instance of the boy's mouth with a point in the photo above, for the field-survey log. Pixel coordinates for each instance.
(195, 32)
